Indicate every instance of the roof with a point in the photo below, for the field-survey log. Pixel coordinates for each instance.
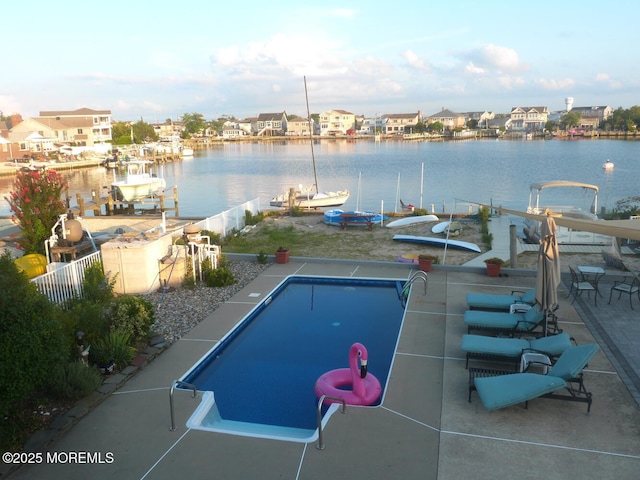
(561, 183)
(264, 117)
(409, 116)
(80, 111)
(445, 113)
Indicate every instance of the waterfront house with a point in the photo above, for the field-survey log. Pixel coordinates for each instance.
(400, 123)
(528, 119)
(450, 120)
(336, 122)
(299, 126)
(83, 127)
(592, 117)
(371, 125)
(272, 123)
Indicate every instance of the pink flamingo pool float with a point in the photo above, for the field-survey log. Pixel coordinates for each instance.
(366, 388)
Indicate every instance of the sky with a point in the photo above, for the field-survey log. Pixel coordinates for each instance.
(154, 60)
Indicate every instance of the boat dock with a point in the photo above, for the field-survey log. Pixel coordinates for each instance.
(155, 205)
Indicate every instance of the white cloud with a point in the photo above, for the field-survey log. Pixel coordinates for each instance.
(498, 58)
(564, 84)
(602, 77)
(472, 69)
(416, 62)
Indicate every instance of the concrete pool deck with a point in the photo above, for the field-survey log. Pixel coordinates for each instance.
(425, 429)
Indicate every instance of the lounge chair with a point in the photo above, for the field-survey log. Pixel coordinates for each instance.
(504, 322)
(485, 301)
(498, 390)
(511, 349)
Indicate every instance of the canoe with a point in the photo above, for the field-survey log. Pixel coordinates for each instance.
(459, 244)
(440, 227)
(403, 222)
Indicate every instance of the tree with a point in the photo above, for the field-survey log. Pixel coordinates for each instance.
(36, 202)
(143, 132)
(570, 119)
(435, 127)
(193, 123)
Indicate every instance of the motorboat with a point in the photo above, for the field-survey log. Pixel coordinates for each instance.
(139, 183)
(567, 236)
(608, 165)
(308, 198)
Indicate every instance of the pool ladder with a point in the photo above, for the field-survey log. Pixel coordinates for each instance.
(419, 275)
(173, 387)
(320, 445)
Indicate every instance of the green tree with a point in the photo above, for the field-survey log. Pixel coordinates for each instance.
(144, 132)
(436, 127)
(570, 119)
(36, 203)
(193, 123)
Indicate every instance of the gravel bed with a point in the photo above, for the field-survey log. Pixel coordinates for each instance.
(179, 310)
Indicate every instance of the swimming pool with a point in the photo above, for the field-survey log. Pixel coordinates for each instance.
(259, 379)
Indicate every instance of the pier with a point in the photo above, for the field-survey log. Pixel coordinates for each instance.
(155, 205)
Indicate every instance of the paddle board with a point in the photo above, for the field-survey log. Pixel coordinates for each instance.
(403, 222)
(440, 227)
(459, 244)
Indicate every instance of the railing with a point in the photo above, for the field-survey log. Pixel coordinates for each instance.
(419, 275)
(231, 219)
(320, 445)
(65, 281)
(173, 387)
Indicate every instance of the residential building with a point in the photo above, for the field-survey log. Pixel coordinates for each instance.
(482, 118)
(592, 117)
(450, 120)
(400, 123)
(529, 119)
(337, 122)
(83, 127)
(371, 125)
(272, 123)
(300, 126)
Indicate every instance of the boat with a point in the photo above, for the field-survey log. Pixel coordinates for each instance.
(564, 235)
(111, 161)
(608, 165)
(187, 152)
(440, 227)
(403, 222)
(310, 197)
(339, 218)
(138, 184)
(407, 207)
(437, 241)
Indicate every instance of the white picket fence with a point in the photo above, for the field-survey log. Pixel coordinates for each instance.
(65, 282)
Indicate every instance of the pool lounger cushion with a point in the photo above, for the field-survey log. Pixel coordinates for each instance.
(524, 322)
(513, 348)
(506, 390)
(485, 301)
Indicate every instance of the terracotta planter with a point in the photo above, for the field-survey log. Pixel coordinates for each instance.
(425, 264)
(493, 270)
(282, 256)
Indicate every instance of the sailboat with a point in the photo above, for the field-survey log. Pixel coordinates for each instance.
(310, 197)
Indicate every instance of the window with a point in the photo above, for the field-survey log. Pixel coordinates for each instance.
(79, 131)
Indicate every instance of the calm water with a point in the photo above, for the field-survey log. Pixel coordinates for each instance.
(454, 172)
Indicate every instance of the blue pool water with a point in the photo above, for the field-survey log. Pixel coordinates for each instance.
(262, 374)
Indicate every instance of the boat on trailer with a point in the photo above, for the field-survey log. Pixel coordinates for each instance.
(564, 235)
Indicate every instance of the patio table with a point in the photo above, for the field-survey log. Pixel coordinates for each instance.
(592, 274)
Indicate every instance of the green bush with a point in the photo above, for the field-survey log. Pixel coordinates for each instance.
(131, 315)
(220, 277)
(113, 346)
(32, 341)
(75, 380)
(214, 238)
(86, 317)
(96, 287)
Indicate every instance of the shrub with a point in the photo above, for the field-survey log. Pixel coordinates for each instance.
(75, 380)
(214, 238)
(262, 257)
(32, 342)
(220, 277)
(36, 203)
(131, 315)
(96, 287)
(116, 346)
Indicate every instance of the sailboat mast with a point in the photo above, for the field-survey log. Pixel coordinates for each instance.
(313, 157)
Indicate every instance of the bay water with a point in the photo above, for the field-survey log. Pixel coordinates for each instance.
(444, 176)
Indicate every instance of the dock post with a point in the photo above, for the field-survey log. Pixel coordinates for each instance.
(175, 200)
(80, 201)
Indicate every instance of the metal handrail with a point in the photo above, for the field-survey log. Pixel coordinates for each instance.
(417, 275)
(173, 386)
(320, 445)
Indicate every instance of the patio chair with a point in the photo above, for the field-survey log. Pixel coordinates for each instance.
(481, 347)
(629, 285)
(484, 301)
(579, 285)
(500, 391)
(513, 323)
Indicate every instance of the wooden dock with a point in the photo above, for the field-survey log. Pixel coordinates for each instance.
(155, 205)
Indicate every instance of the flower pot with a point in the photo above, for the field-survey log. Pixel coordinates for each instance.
(282, 256)
(493, 269)
(425, 264)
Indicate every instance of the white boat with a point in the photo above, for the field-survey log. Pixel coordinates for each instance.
(564, 235)
(310, 197)
(187, 152)
(440, 227)
(340, 217)
(608, 165)
(459, 244)
(138, 184)
(412, 220)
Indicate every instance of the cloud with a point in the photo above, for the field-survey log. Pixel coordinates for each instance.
(416, 62)
(494, 57)
(555, 85)
(472, 69)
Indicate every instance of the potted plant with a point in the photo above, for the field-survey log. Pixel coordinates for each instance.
(426, 261)
(282, 255)
(493, 266)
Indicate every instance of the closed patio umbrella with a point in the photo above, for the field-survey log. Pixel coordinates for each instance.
(548, 277)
